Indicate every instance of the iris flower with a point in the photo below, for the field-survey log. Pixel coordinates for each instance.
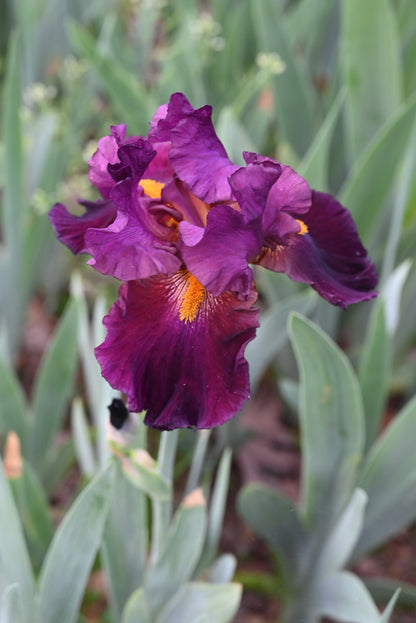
(180, 225)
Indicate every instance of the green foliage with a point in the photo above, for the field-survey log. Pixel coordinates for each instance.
(53, 386)
(372, 68)
(15, 568)
(66, 568)
(315, 541)
(38, 424)
(374, 371)
(331, 422)
(327, 87)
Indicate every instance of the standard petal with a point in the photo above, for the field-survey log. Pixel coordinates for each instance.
(106, 154)
(327, 254)
(273, 190)
(251, 186)
(118, 158)
(218, 255)
(199, 158)
(168, 116)
(185, 370)
(160, 168)
(71, 229)
(133, 160)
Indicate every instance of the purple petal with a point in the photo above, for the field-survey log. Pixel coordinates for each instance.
(106, 154)
(199, 158)
(133, 160)
(71, 229)
(273, 190)
(218, 255)
(185, 373)
(251, 186)
(160, 168)
(136, 245)
(118, 157)
(168, 116)
(329, 257)
(192, 209)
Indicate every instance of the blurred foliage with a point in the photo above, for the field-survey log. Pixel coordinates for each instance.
(328, 87)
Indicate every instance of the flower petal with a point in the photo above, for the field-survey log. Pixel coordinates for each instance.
(71, 229)
(199, 158)
(168, 116)
(105, 154)
(329, 255)
(184, 372)
(218, 255)
(118, 157)
(191, 209)
(160, 168)
(136, 245)
(273, 190)
(133, 160)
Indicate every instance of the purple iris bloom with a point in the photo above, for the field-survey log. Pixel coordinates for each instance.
(179, 224)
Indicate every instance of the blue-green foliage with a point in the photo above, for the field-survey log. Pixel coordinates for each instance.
(328, 87)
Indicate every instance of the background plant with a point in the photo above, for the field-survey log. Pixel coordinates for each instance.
(327, 87)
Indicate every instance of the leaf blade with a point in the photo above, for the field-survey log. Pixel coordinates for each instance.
(82, 525)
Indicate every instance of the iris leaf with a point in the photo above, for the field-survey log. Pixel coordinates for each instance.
(274, 518)
(66, 568)
(14, 559)
(53, 385)
(10, 605)
(13, 201)
(125, 558)
(314, 166)
(332, 423)
(136, 609)
(33, 507)
(178, 558)
(370, 52)
(378, 162)
(374, 371)
(272, 333)
(13, 408)
(389, 478)
(217, 602)
(293, 99)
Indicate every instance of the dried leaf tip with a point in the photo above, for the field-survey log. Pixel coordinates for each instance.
(12, 460)
(195, 498)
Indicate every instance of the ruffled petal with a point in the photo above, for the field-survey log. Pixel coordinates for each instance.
(199, 158)
(168, 116)
(106, 154)
(133, 160)
(328, 255)
(218, 255)
(136, 245)
(274, 191)
(118, 158)
(71, 229)
(187, 372)
(251, 186)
